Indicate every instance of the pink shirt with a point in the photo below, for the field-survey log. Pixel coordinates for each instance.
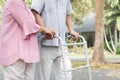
(18, 38)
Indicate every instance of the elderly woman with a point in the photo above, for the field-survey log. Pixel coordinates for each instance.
(18, 42)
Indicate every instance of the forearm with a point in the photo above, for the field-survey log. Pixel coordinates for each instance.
(49, 34)
(70, 27)
(69, 23)
(38, 18)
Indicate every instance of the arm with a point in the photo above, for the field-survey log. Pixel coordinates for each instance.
(69, 23)
(25, 20)
(37, 7)
(38, 18)
(40, 22)
(69, 20)
(70, 27)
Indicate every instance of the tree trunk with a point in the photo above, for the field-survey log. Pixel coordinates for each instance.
(98, 54)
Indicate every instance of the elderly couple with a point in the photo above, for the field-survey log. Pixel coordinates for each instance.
(19, 45)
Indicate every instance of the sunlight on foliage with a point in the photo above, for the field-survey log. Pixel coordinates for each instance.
(81, 9)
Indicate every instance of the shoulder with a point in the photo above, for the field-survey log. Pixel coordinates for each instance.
(38, 1)
(15, 3)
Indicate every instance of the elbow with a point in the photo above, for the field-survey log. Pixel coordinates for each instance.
(35, 13)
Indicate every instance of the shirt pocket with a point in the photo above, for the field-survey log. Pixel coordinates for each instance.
(49, 6)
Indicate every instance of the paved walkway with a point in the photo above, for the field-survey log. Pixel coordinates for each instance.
(113, 60)
(1, 75)
(102, 74)
(97, 74)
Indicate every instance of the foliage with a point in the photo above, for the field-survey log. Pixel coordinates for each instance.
(112, 11)
(1, 6)
(118, 49)
(112, 21)
(105, 46)
(81, 9)
(2, 3)
(28, 2)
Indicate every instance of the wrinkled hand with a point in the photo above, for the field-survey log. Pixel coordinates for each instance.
(48, 33)
(74, 34)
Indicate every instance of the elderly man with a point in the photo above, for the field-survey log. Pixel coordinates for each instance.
(54, 14)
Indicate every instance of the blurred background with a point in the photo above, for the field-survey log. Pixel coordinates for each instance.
(98, 21)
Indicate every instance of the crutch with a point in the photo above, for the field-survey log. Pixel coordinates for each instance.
(84, 43)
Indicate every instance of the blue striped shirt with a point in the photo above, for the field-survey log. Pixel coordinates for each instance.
(53, 14)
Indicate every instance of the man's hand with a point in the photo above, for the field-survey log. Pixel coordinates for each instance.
(48, 33)
(74, 34)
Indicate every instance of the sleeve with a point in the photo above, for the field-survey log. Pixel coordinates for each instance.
(21, 14)
(69, 8)
(37, 5)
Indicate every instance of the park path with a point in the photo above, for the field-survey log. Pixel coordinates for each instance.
(99, 74)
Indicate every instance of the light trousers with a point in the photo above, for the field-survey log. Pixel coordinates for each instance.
(18, 71)
(51, 61)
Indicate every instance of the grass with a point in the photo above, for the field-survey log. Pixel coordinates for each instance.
(101, 66)
(107, 66)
